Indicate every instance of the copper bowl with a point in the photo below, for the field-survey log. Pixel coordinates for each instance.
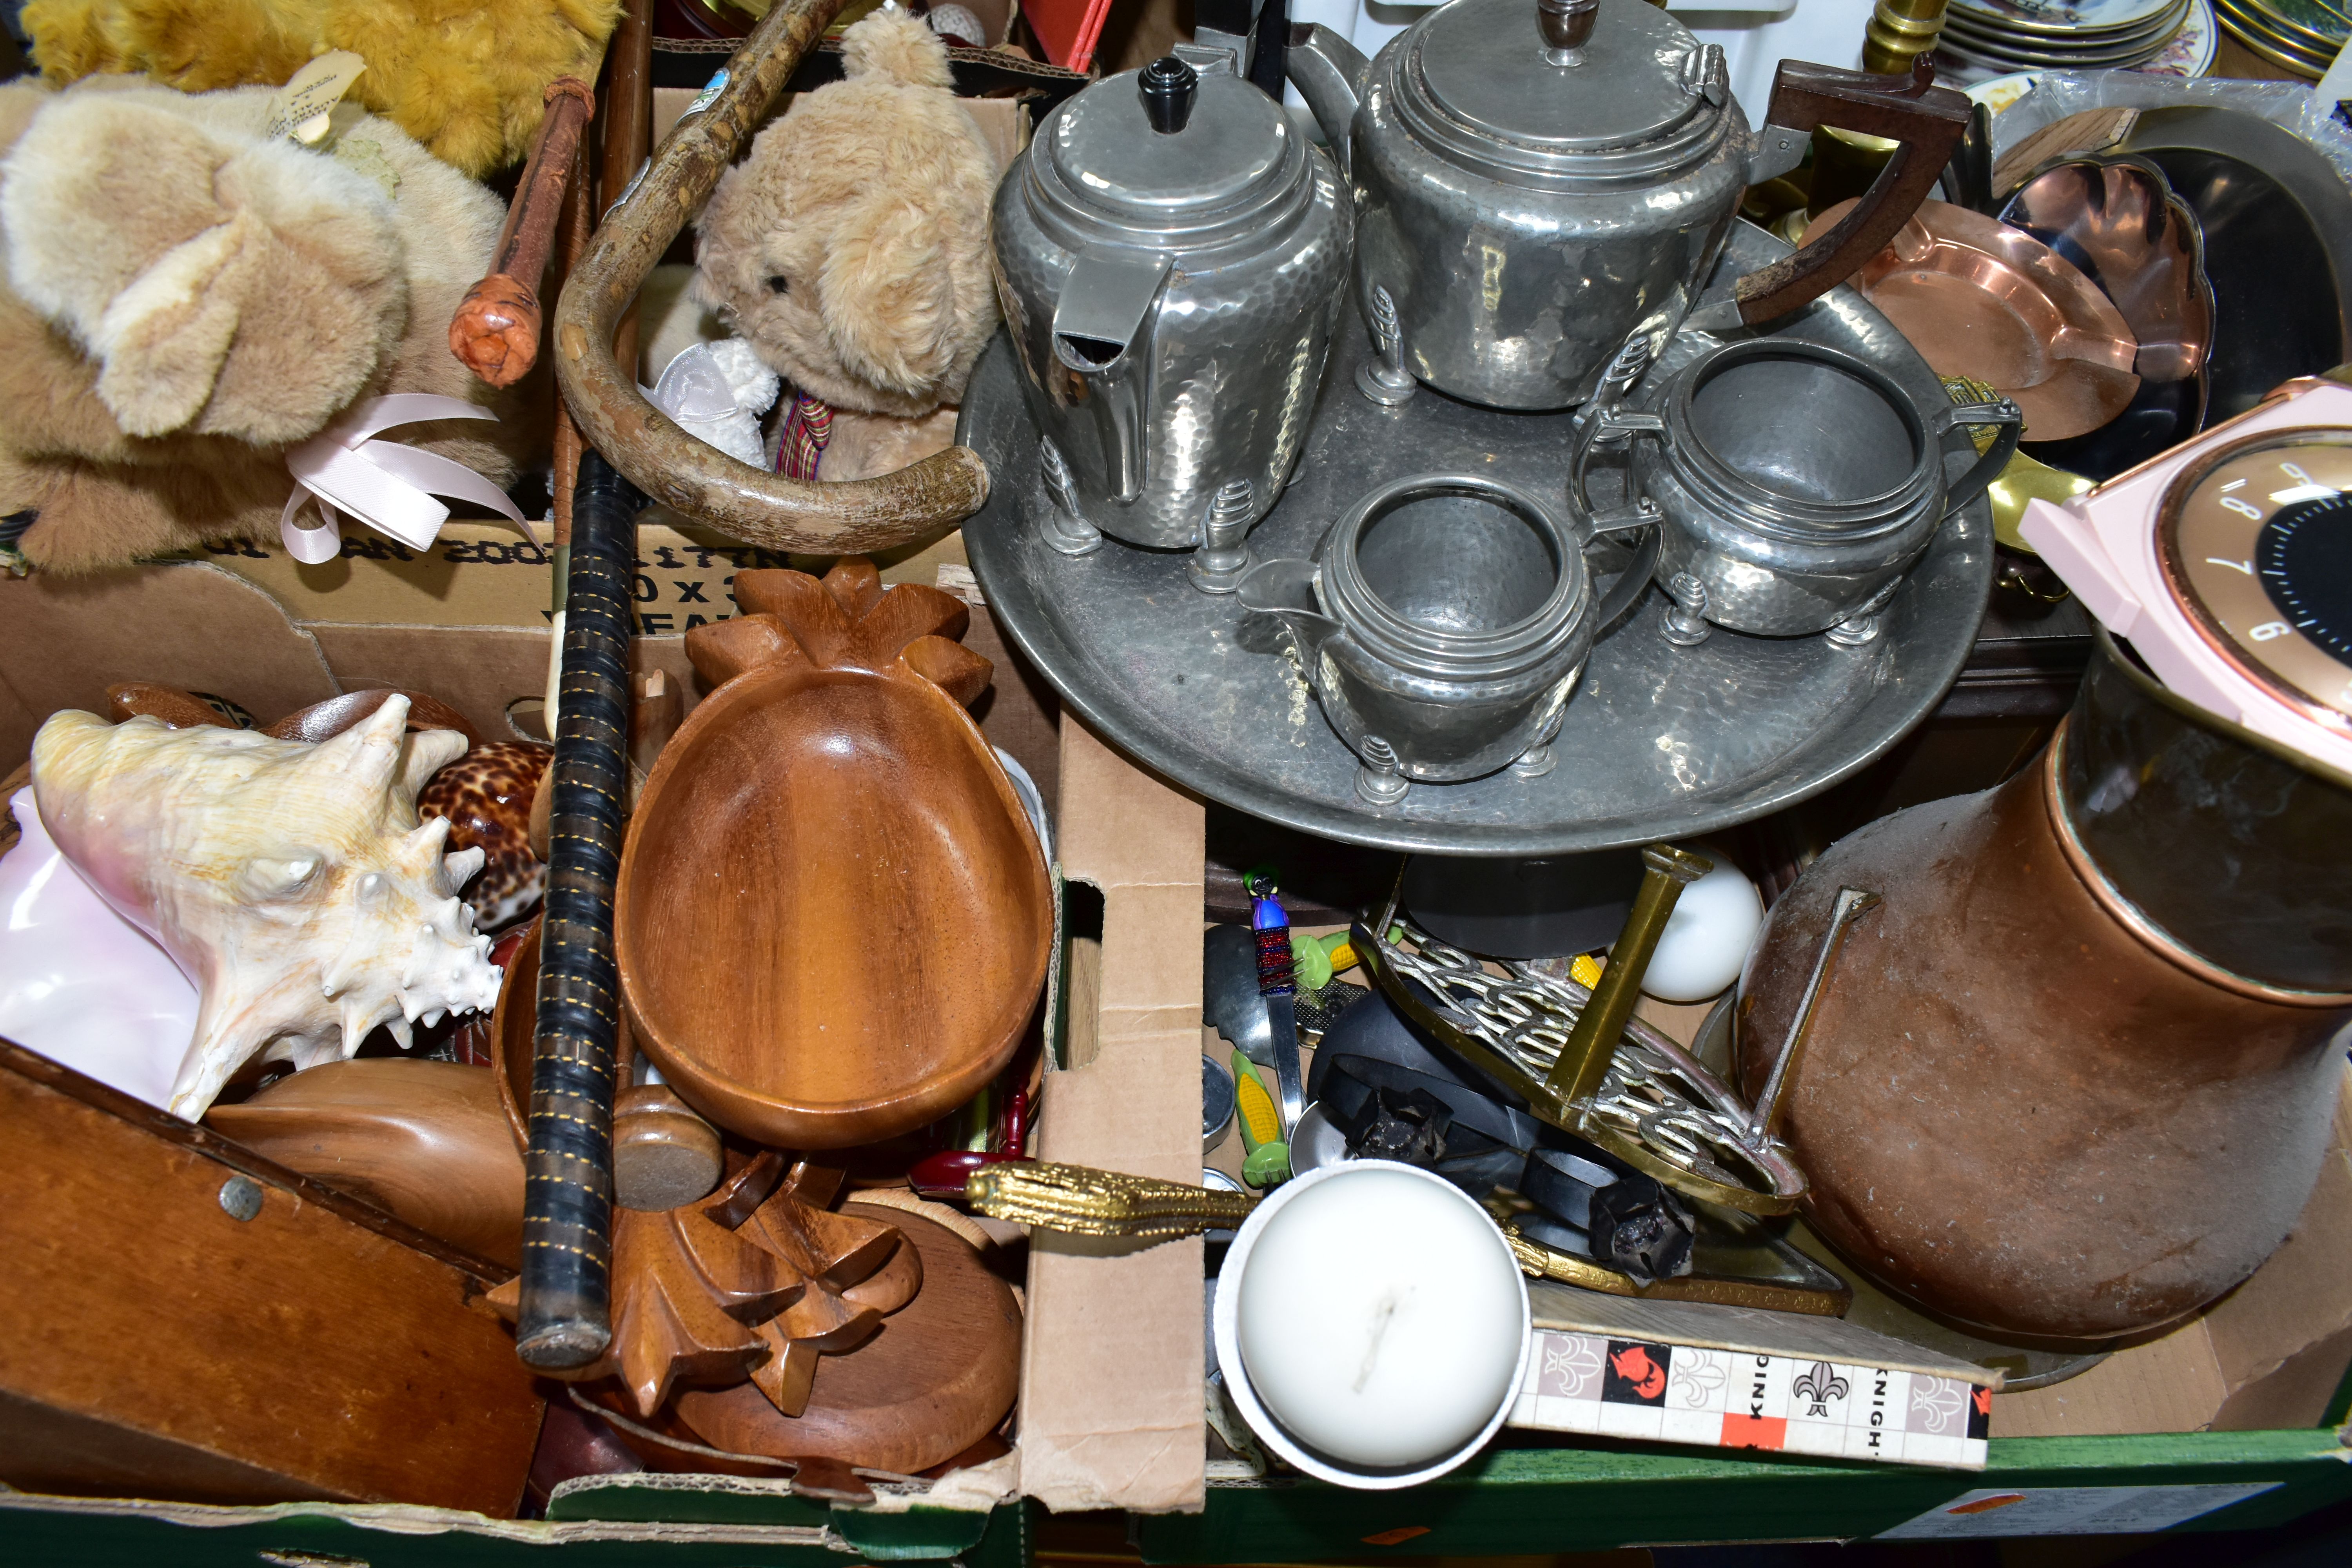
(2115, 217)
(1980, 300)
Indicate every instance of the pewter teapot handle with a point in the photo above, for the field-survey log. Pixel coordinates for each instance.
(1997, 411)
(1927, 120)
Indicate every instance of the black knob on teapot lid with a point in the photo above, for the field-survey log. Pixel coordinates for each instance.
(1167, 87)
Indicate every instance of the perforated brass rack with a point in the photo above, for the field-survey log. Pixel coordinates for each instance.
(1627, 1088)
(1079, 1200)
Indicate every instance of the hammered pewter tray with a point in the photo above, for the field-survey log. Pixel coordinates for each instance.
(1659, 741)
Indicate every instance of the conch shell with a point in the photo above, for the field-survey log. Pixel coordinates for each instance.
(293, 883)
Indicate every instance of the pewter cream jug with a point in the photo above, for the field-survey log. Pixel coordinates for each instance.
(1172, 254)
(1538, 180)
(1443, 625)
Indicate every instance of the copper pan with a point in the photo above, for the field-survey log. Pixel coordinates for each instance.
(1980, 300)
(659, 459)
(2117, 217)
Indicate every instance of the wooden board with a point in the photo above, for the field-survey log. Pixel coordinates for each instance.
(156, 1346)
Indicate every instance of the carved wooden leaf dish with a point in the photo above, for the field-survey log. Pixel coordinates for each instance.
(833, 917)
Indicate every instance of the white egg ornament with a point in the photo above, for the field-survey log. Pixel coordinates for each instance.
(1373, 1324)
(1707, 937)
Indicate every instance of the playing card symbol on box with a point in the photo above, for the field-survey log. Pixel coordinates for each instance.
(1698, 1379)
(1939, 1407)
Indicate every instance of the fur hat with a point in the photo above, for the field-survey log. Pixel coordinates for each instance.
(465, 78)
(851, 247)
(185, 299)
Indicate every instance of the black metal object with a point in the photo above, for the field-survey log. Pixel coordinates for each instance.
(568, 1191)
(1607, 1211)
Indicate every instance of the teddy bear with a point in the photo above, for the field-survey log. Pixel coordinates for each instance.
(463, 77)
(850, 248)
(186, 299)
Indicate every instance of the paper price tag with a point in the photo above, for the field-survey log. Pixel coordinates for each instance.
(301, 107)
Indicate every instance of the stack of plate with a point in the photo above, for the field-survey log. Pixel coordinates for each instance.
(1997, 36)
(2300, 36)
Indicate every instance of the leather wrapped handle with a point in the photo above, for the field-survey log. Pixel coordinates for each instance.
(495, 332)
(659, 459)
(1925, 119)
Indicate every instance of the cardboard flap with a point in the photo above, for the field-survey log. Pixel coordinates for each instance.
(63, 640)
(1111, 1410)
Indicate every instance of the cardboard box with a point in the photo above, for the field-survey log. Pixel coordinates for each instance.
(62, 643)
(1111, 1413)
(488, 575)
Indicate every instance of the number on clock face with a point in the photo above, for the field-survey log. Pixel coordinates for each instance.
(2257, 542)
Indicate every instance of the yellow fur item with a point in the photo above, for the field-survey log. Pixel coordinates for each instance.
(185, 299)
(464, 77)
(850, 248)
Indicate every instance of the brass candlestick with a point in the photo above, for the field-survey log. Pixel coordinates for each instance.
(1900, 31)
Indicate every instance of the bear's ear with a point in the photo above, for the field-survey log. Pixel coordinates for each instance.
(888, 298)
(161, 343)
(897, 46)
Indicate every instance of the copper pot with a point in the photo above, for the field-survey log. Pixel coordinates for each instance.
(2024, 1100)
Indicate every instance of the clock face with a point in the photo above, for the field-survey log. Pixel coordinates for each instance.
(2256, 541)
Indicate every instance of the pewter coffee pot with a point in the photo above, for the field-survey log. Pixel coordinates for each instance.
(1538, 180)
(1172, 256)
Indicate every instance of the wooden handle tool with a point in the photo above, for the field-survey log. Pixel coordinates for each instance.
(495, 332)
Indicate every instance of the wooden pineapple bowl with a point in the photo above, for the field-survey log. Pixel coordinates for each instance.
(834, 917)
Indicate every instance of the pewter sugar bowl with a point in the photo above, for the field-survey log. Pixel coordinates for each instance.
(1172, 256)
(1792, 485)
(1538, 180)
(1442, 625)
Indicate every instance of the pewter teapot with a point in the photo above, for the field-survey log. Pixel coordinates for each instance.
(1172, 255)
(1537, 181)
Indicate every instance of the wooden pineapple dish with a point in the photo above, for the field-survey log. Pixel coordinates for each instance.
(833, 916)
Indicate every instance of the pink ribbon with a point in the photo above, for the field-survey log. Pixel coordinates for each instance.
(384, 484)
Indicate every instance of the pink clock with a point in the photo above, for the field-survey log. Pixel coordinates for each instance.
(2227, 562)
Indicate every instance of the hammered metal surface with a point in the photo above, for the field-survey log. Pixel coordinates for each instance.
(1221, 379)
(1659, 741)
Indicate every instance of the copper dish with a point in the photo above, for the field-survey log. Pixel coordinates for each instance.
(1980, 300)
(2115, 217)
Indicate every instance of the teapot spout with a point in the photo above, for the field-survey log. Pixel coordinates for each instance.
(1330, 74)
(1286, 590)
(1102, 332)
